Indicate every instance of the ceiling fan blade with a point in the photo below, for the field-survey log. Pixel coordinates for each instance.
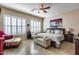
(44, 11)
(47, 7)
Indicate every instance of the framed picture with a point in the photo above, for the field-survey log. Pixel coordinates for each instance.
(56, 23)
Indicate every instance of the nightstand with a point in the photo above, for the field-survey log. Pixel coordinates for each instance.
(69, 37)
(77, 46)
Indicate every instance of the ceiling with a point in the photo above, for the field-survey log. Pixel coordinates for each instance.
(56, 8)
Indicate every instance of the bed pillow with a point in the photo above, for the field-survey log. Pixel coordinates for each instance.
(58, 32)
(52, 31)
(48, 31)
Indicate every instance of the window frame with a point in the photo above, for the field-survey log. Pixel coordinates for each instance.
(35, 27)
(11, 26)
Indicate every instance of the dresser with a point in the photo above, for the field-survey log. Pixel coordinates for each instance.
(1, 46)
(69, 37)
(77, 46)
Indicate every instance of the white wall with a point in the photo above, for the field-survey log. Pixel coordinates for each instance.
(70, 20)
(46, 23)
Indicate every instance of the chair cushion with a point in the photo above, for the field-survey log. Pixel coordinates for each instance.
(8, 37)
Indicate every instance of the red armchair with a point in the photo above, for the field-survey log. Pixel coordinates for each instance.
(2, 34)
(9, 41)
(3, 37)
(1, 45)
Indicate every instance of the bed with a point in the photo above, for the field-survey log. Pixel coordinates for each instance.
(55, 34)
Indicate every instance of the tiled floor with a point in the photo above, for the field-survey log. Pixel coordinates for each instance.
(28, 47)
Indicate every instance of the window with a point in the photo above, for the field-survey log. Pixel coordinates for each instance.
(7, 24)
(35, 26)
(23, 25)
(19, 25)
(14, 25)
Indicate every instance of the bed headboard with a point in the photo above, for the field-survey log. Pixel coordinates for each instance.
(60, 29)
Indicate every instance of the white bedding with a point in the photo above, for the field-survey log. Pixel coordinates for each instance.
(54, 37)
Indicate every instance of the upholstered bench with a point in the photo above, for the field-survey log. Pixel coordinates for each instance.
(44, 42)
(12, 42)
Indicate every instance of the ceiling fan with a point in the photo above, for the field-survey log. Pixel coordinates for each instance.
(42, 8)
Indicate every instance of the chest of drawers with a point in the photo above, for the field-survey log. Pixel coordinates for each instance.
(77, 46)
(69, 37)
